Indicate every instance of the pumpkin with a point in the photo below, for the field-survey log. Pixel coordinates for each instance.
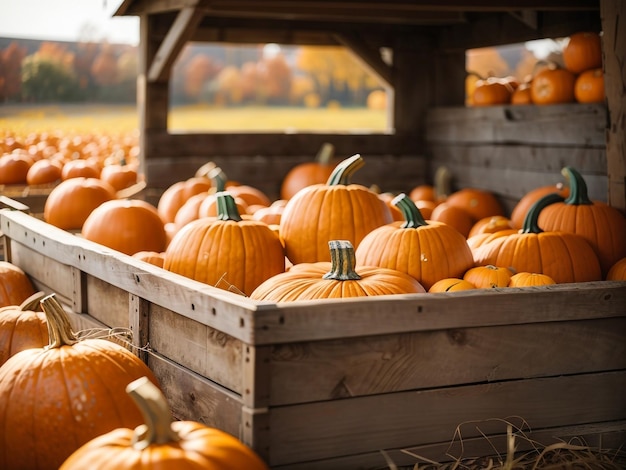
(552, 85)
(522, 95)
(583, 52)
(589, 86)
(80, 168)
(337, 210)
(119, 175)
(14, 168)
(56, 398)
(162, 443)
(456, 217)
(70, 202)
(423, 192)
(152, 257)
(478, 203)
(564, 256)
(428, 251)
(126, 225)
(178, 193)
(603, 226)
(270, 215)
(22, 327)
(490, 224)
(488, 276)
(617, 271)
(482, 238)
(426, 208)
(518, 214)
(530, 279)
(44, 171)
(339, 278)
(226, 251)
(451, 284)
(491, 91)
(309, 173)
(15, 285)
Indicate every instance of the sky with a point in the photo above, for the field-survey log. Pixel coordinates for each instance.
(67, 20)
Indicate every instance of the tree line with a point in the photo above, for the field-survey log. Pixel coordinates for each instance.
(227, 75)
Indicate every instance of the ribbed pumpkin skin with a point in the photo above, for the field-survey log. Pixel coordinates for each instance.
(15, 286)
(488, 277)
(305, 281)
(178, 193)
(530, 279)
(200, 448)
(216, 252)
(20, 329)
(451, 284)
(617, 271)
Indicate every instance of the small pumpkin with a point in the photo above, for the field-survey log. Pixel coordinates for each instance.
(564, 256)
(530, 279)
(478, 203)
(14, 168)
(178, 193)
(153, 257)
(227, 250)
(44, 171)
(488, 276)
(589, 86)
(309, 173)
(22, 327)
(454, 216)
(522, 95)
(339, 278)
(583, 51)
(15, 285)
(56, 398)
(162, 442)
(337, 210)
(451, 284)
(617, 271)
(126, 225)
(119, 175)
(80, 168)
(490, 224)
(428, 251)
(553, 85)
(492, 91)
(603, 226)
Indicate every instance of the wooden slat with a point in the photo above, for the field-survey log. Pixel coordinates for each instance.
(352, 426)
(368, 56)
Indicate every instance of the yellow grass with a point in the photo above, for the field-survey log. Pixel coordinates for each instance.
(115, 119)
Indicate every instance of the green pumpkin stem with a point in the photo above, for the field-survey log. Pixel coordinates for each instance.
(412, 216)
(156, 413)
(218, 179)
(343, 172)
(577, 187)
(325, 154)
(59, 327)
(342, 261)
(531, 221)
(226, 207)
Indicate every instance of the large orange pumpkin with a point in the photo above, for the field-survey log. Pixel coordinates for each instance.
(163, 443)
(564, 256)
(339, 278)
(226, 252)
(54, 399)
(126, 225)
(553, 85)
(309, 173)
(15, 285)
(337, 210)
(583, 52)
(427, 251)
(603, 226)
(22, 327)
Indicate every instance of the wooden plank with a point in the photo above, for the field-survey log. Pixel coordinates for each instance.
(369, 57)
(139, 324)
(108, 303)
(613, 13)
(570, 125)
(313, 431)
(345, 368)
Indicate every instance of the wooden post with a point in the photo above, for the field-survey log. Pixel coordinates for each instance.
(613, 13)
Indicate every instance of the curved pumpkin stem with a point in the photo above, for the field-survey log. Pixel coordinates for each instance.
(156, 415)
(531, 221)
(33, 303)
(412, 216)
(443, 183)
(344, 170)
(325, 154)
(218, 179)
(59, 327)
(577, 187)
(226, 207)
(342, 261)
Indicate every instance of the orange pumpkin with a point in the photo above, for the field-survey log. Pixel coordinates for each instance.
(427, 251)
(451, 284)
(126, 225)
(522, 95)
(153, 257)
(226, 251)
(339, 278)
(492, 91)
(44, 171)
(70, 202)
(490, 225)
(423, 192)
(564, 256)
(270, 215)
(482, 238)
(617, 271)
(583, 52)
(337, 210)
(22, 327)
(307, 174)
(603, 226)
(530, 279)
(80, 168)
(488, 276)
(589, 86)
(177, 194)
(54, 399)
(553, 85)
(119, 175)
(15, 285)
(162, 443)
(527, 200)
(478, 203)
(456, 217)
(14, 168)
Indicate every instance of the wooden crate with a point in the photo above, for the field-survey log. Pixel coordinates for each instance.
(330, 384)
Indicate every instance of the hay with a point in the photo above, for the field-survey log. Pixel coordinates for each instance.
(572, 455)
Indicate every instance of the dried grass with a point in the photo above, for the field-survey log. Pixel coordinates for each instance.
(572, 455)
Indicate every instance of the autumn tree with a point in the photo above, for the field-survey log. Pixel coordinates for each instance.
(198, 72)
(44, 79)
(104, 67)
(10, 71)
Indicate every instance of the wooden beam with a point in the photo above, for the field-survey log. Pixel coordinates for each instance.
(369, 57)
(179, 33)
